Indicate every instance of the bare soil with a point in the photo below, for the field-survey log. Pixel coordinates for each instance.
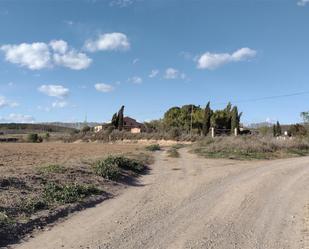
(191, 202)
(17, 156)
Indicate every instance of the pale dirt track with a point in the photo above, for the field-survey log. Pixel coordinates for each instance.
(197, 203)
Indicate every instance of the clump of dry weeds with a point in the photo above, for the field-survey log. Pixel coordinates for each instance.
(252, 147)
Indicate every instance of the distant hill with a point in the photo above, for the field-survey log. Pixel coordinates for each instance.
(26, 128)
(76, 125)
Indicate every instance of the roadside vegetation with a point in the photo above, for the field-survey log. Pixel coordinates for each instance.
(251, 147)
(29, 198)
(173, 152)
(153, 147)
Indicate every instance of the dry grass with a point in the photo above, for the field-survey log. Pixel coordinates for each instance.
(252, 147)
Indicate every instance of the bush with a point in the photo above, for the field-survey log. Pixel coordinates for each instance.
(153, 147)
(86, 129)
(33, 138)
(297, 130)
(126, 163)
(56, 193)
(107, 169)
(46, 136)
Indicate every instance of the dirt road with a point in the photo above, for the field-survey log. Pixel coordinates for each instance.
(191, 202)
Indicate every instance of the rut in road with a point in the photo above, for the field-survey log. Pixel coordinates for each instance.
(191, 202)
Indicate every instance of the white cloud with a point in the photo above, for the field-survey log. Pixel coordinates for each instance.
(72, 60)
(39, 55)
(59, 46)
(59, 104)
(214, 60)
(153, 73)
(102, 87)
(57, 91)
(108, 42)
(172, 74)
(35, 56)
(136, 80)
(6, 103)
(121, 3)
(17, 118)
(302, 2)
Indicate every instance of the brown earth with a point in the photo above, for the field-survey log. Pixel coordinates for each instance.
(18, 156)
(190, 202)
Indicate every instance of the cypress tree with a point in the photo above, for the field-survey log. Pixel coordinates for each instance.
(234, 119)
(120, 118)
(274, 130)
(115, 120)
(278, 129)
(206, 121)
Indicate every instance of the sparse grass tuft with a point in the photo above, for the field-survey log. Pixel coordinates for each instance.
(56, 193)
(178, 146)
(52, 168)
(153, 147)
(172, 152)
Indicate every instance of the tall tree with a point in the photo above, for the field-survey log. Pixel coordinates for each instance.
(115, 120)
(206, 120)
(234, 119)
(278, 128)
(305, 117)
(120, 118)
(274, 130)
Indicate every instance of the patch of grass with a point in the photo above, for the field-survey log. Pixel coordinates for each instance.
(56, 193)
(153, 147)
(178, 146)
(110, 167)
(34, 138)
(33, 205)
(5, 220)
(107, 169)
(172, 152)
(52, 168)
(248, 148)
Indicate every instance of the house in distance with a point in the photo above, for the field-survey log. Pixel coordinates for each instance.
(130, 124)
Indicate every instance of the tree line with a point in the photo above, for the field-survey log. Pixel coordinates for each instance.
(194, 118)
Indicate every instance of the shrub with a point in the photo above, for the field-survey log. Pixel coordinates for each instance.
(47, 136)
(126, 163)
(33, 138)
(153, 147)
(86, 129)
(297, 130)
(107, 169)
(56, 193)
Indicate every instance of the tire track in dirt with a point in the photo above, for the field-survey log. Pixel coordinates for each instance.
(305, 230)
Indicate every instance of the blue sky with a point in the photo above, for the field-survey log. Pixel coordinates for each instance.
(61, 60)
